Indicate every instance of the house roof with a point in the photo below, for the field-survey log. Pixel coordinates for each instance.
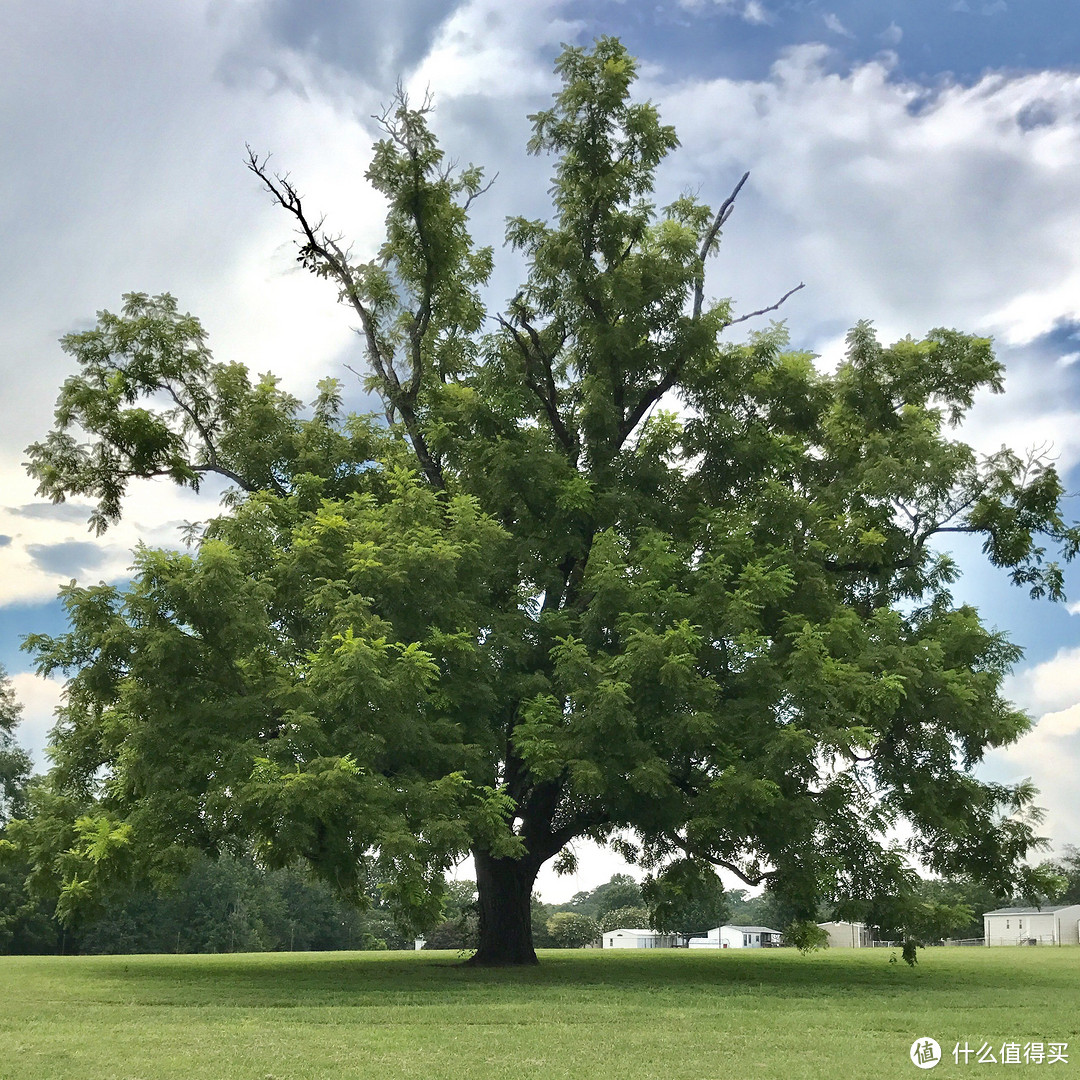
(1046, 909)
(639, 933)
(751, 929)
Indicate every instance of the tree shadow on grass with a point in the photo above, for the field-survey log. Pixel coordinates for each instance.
(313, 979)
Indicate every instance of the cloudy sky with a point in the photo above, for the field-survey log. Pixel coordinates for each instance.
(914, 162)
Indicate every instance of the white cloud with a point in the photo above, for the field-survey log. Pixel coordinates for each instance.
(751, 11)
(491, 48)
(39, 698)
(911, 209)
(755, 12)
(835, 26)
(1048, 754)
(1051, 686)
(892, 34)
(898, 206)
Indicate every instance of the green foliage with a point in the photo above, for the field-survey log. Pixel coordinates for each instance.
(688, 898)
(572, 930)
(528, 604)
(806, 936)
(26, 922)
(621, 891)
(15, 763)
(229, 904)
(626, 918)
(1064, 873)
(25, 925)
(460, 926)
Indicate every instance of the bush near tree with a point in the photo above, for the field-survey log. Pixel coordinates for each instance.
(598, 565)
(571, 930)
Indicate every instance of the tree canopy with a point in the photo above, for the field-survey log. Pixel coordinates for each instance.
(600, 568)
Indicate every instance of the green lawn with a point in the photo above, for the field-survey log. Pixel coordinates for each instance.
(591, 1014)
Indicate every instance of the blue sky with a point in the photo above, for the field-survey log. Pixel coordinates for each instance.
(932, 39)
(914, 163)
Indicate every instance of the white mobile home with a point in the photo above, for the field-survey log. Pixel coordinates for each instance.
(637, 939)
(846, 935)
(737, 937)
(1053, 924)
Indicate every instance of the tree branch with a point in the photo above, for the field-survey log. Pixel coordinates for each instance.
(647, 401)
(548, 397)
(725, 863)
(325, 255)
(764, 310)
(650, 397)
(722, 215)
(478, 192)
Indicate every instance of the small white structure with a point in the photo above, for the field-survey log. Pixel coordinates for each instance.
(1053, 924)
(737, 937)
(637, 939)
(846, 935)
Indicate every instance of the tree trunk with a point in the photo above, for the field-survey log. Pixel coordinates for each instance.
(505, 894)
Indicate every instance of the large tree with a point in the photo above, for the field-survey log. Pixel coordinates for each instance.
(600, 569)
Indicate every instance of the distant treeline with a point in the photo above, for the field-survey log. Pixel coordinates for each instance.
(227, 904)
(231, 904)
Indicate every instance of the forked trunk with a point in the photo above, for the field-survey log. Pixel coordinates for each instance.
(505, 893)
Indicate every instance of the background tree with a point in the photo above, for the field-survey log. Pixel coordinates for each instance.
(634, 918)
(572, 930)
(1067, 867)
(620, 891)
(459, 928)
(528, 603)
(15, 764)
(688, 898)
(25, 924)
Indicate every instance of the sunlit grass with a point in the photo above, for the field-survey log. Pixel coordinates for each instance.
(668, 1015)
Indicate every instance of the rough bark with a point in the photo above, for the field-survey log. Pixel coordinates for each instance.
(505, 893)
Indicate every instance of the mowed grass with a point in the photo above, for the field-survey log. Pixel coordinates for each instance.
(585, 1014)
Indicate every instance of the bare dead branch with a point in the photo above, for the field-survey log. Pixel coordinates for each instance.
(722, 215)
(326, 255)
(771, 307)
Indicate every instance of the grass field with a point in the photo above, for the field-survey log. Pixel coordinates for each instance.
(583, 1014)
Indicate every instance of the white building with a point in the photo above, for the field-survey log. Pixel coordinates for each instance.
(637, 939)
(846, 935)
(737, 937)
(1052, 924)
